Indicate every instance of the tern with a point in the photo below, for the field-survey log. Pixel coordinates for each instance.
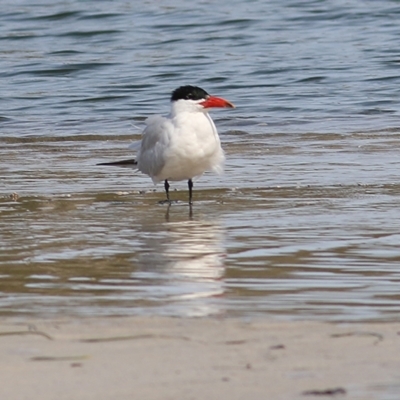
(182, 145)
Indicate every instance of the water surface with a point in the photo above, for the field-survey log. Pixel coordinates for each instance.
(302, 225)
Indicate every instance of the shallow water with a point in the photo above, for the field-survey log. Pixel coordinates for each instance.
(303, 224)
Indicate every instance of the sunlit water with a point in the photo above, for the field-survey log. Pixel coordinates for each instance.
(304, 222)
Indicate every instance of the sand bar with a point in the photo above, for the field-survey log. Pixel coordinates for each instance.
(171, 358)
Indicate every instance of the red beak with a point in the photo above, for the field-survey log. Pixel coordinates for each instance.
(216, 102)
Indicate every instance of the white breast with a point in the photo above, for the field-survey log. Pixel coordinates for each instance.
(180, 147)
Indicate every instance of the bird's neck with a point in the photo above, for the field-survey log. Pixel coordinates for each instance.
(184, 108)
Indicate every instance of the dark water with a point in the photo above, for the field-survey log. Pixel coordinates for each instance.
(304, 223)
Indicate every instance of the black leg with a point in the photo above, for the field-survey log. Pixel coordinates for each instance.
(190, 184)
(166, 187)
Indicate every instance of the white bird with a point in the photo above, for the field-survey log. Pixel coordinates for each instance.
(184, 144)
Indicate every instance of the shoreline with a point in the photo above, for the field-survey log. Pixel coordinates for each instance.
(200, 358)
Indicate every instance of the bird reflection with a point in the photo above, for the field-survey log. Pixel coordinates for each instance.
(183, 263)
(190, 215)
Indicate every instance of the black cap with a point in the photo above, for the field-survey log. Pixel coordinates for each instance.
(189, 93)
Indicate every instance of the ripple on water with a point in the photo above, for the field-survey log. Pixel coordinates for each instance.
(316, 238)
(302, 225)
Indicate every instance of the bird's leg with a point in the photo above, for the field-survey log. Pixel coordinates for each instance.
(166, 187)
(190, 185)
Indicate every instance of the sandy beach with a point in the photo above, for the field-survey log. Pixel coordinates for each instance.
(172, 358)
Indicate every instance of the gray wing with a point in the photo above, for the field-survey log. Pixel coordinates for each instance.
(155, 140)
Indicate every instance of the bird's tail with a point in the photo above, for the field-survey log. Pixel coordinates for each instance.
(123, 163)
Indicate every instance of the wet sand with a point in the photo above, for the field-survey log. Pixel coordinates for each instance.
(205, 358)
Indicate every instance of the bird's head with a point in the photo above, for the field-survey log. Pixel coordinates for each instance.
(193, 97)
